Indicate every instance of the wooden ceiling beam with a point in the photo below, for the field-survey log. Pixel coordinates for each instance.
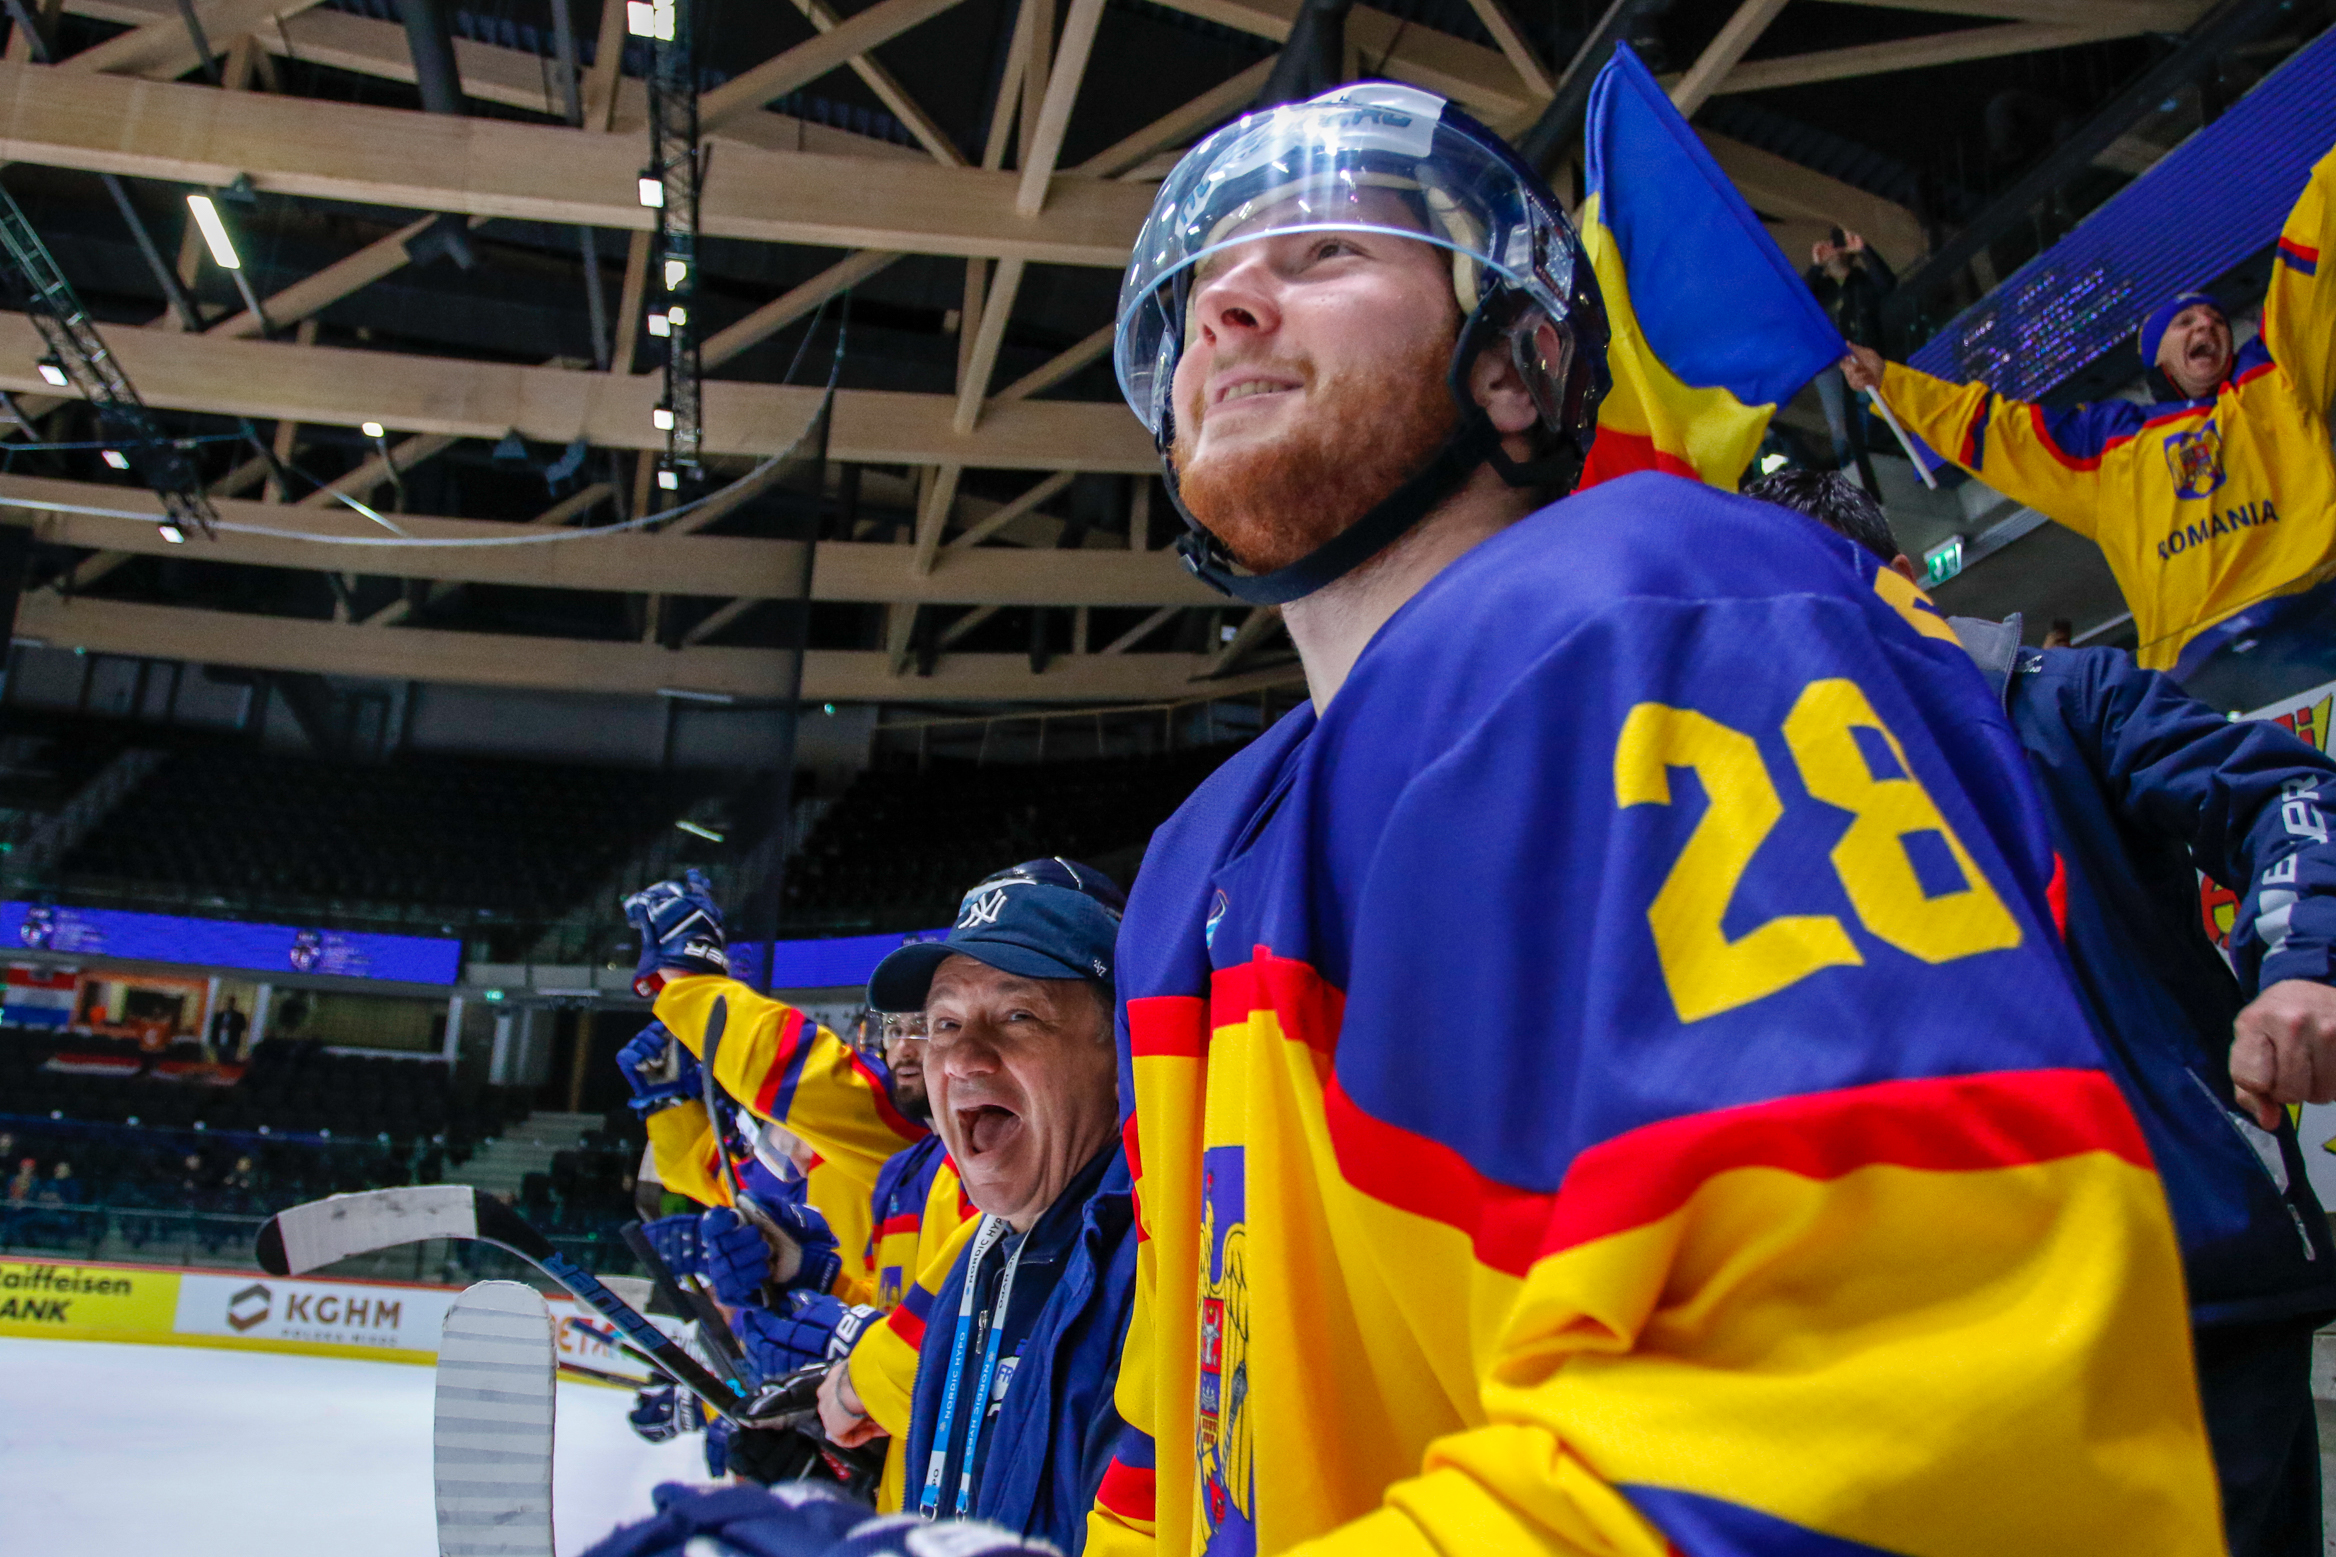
(335, 386)
(2142, 15)
(1720, 57)
(1946, 48)
(163, 49)
(831, 48)
(1178, 125)
(891, 93)
(792, 305)
(632, 562)
(1480, 79)
(575, 665)
(1777, 187)
(1054, 111)
(550, 173)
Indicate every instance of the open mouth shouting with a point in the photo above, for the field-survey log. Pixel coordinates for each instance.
(986, 1129)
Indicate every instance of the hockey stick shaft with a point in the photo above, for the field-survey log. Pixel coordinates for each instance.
(687, 1300)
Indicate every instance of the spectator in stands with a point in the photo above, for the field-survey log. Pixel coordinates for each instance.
(2139, 782)
(2214, 507)
(228, 1026)
(1850, 281)
(20, 1187)
(1023, 1080)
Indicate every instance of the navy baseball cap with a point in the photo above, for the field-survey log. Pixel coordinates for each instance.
(1043, 919)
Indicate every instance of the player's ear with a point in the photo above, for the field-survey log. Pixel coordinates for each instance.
(1903, 566)
(1497, 385)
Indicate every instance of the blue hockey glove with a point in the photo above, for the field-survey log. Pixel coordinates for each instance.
(739, 1259)
(680, 927)
(665, 1413)
(799, 1519)
(718, 1435)
(659, 1070)
(812, 1327)
(675, 1238)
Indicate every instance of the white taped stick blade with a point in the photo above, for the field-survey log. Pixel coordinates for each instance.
(339, 1226)
(493, 1442)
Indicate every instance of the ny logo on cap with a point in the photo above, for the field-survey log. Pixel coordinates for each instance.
(980, 909)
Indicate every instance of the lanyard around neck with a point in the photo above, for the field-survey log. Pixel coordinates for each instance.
(936, 1463)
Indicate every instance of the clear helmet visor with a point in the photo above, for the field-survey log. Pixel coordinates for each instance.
(1368, 158)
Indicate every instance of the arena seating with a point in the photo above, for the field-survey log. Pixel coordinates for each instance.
(449, 835)
(901, 846)
(147, 1160)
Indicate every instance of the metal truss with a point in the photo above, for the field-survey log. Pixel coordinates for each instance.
(78, 356)
(670, 184)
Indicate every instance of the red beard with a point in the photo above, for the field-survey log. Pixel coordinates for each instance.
(1363, 436)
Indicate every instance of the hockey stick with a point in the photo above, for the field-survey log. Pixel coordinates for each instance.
(491, 1443)
(689, 1299)
(296, 1241)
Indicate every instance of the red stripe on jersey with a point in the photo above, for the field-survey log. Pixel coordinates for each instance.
(2252, 374)
(894, 1120)
(2052, 446)
(790, 1033)
(2056, 894)
(906, 1222)
(1943, 1125)
(1129, 1491)
(1168, 1026)
(1310, 1010)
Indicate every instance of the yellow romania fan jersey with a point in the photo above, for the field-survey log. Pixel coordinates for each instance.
(787, 1068)
(2203, 508)
(1610, 1085)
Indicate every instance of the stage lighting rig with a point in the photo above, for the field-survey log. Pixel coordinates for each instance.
(78, 357)
(669, 186)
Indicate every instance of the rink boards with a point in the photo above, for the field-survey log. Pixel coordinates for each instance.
(385, 1321)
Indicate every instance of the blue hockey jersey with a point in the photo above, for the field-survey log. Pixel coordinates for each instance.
(1612, 1083)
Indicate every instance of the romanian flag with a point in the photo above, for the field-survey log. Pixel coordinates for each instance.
(1712, 329)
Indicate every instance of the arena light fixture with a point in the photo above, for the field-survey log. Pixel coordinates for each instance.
(53, 371)
(668, 479)
(660, 325)
(373, 430)
(662, 418)
(640, 18)
(677, 316)
(676, 272)
(698, 830)
(116, 458)
(214, 232)
(1770, 464)
(652, 192)
(173, 534)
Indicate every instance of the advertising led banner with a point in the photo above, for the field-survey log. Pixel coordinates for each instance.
(392, 1321)
(228, 943)
(825, 964)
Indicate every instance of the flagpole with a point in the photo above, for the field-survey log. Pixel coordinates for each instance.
(1882, 406)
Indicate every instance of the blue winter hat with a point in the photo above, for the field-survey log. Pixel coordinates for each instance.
(1042, 919)
(2153, 328)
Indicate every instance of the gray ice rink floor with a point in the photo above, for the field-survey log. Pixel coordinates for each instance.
(113, 1450)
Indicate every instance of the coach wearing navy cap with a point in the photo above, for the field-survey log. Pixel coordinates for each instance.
(1018, 1343)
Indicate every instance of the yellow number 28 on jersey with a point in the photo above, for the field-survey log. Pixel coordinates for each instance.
(1705, 971)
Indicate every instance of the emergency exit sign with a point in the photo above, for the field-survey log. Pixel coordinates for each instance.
(1943, 561)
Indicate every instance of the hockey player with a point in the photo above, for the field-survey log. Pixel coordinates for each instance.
(1715, 848)
(2140, 783)
(1602, 1077)
(2210, 505)
(774, 1060)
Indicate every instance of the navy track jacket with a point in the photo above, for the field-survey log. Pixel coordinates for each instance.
(2140, 781)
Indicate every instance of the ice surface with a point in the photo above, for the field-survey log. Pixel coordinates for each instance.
(113, 1450)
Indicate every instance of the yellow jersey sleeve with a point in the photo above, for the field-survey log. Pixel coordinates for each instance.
(2299, 310)
(2049, 460)
(788, 1069)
